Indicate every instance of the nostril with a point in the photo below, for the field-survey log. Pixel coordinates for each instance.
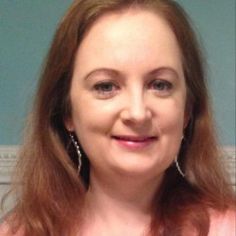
(136, 116)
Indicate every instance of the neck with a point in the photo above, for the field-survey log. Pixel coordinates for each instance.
(121, 199)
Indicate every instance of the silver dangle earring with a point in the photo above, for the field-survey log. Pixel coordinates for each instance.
(178, 167)
(76, 145)
(177, 163)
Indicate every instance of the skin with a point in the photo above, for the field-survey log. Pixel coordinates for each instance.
(128, 97)
(126, 175)
(134, 100)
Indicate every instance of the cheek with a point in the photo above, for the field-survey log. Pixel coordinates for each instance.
(171, 122)
(93, 123)
(172, 118)
(93, 116)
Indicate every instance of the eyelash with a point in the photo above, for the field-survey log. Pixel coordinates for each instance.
(106, 88)
(165, 85)
(109, 89)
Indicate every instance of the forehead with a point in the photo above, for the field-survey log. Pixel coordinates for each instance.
(135, 35)
(126, 22)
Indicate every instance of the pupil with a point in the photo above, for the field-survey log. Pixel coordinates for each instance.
(107, 87)
(159, 86)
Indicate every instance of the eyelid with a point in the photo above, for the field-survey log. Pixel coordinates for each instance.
(104, 94)
(103, 83)
(165, 81)
(163, 87)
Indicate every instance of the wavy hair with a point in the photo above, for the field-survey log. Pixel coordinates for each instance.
(51, 195)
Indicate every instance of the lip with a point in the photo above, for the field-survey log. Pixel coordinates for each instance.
(134, 142)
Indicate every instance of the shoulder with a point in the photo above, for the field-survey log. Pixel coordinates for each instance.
(6, 230)
(223, 223)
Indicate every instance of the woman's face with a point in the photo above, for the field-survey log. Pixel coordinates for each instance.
(128, 94)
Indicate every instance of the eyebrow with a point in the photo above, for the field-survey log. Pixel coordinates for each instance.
(108, 71)
(164, 69)
(116, 73)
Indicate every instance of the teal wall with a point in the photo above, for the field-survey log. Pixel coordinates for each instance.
(27, 27)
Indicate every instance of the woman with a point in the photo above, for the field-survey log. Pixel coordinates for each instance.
(121, 139)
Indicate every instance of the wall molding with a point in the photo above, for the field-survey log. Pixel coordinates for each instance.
(8, 157)
(230, 159)
(9, 153)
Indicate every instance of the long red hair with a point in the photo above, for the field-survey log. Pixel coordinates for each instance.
(51, 195)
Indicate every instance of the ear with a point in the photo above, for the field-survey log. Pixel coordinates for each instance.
(186, 119)
(187, 115)
(68, 122)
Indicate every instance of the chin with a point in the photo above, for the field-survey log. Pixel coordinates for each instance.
(139, 169)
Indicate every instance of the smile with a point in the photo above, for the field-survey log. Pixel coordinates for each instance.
(134, 142)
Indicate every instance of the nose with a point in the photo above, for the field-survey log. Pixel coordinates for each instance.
(136, 109)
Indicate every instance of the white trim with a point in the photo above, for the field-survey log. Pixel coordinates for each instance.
(8, 156)
(230, 151)
(230, 158)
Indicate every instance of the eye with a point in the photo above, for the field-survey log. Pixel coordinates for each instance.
(160, 85)
(106, 89)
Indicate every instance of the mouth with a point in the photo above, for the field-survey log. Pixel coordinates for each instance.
(134, 142)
